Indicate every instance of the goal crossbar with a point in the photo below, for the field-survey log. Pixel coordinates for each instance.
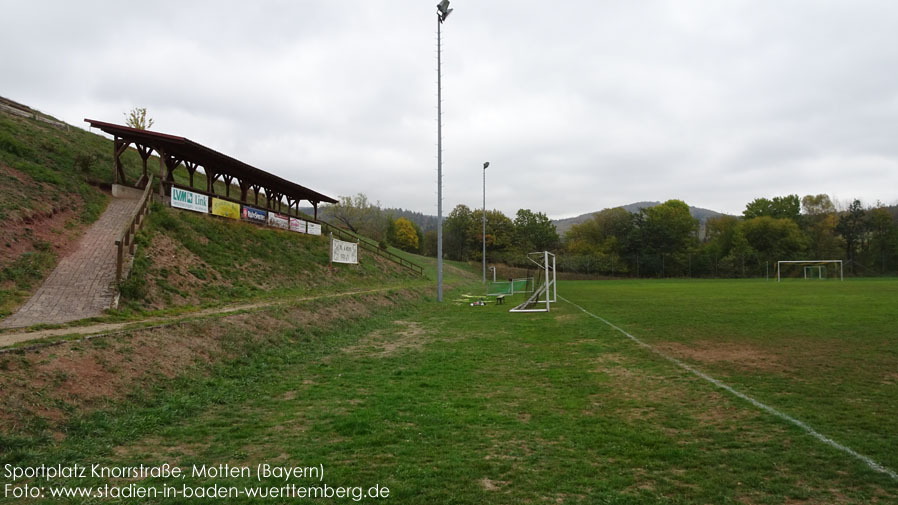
(810, 262)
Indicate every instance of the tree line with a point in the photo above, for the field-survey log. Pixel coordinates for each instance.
(660, 241)
(507, 240)
(666, 241)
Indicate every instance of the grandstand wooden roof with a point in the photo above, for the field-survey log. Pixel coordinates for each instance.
(186, 150)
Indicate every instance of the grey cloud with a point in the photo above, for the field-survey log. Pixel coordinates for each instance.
(577, 105)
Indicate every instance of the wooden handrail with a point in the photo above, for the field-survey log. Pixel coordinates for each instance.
(126, 237)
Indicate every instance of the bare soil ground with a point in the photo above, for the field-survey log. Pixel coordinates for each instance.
(43, 223)
(740, 355)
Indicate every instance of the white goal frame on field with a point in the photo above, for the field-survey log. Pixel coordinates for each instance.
(811, 263)
(546, 262)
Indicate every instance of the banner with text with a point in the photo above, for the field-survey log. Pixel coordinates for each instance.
(297, 225)
(278, 220)
(183, 199)
(344, 252)
(225, 208)
(254, 215)
(313, 228)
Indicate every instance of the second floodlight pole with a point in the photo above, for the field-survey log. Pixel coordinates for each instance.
(483, 216)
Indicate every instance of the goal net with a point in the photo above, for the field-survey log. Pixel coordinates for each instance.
(546, 294)
(809, 269)
(510, 287)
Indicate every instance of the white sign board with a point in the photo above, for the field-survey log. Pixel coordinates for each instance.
(313, 228)
(297, 225)
(278, 220)
(183, 199)
(344, 252)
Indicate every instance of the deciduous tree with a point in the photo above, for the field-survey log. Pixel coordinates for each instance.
(360, 216)
(405, 236)
(457, 233)
(852, 227)
(781, 207)
(137, 118)
(534, 231)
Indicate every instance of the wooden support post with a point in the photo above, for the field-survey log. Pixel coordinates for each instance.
(227, 180)
(211, 182)
(144, 152)
(191, 169)
(244, 189)
(315, 205)
(171, 163)
(161, 175)
(118, 147)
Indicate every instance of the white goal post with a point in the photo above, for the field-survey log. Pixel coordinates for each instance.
(811, 263)
(548, 291)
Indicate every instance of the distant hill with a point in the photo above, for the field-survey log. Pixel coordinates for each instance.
(429, 222)
(563, 225)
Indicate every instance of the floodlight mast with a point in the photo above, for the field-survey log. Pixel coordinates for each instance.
(483, 215)
(443, 12)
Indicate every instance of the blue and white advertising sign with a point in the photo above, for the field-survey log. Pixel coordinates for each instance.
(183, 199)
(254, 215)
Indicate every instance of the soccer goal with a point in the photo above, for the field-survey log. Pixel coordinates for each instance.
(497, 288)
(809, 269)
(547, 292)
(510, 287)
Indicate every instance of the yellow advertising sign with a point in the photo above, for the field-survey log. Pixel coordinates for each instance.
(225, 208)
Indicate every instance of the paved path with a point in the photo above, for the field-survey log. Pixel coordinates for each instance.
(82, 284)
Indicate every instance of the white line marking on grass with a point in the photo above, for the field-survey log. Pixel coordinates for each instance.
(811, 431)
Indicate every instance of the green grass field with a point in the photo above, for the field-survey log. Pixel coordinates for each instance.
(447, 403)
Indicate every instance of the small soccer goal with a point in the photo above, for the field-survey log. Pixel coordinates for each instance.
(809, 269)
(510, 287)
(497, 288)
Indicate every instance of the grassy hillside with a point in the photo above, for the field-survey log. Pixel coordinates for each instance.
(188, 259)
(53, 182)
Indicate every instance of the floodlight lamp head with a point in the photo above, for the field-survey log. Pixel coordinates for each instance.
(486, 164)
(443, 10)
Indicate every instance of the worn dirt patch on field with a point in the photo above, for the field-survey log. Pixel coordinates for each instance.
(157, 449)
(638, 395)
(492, 485)
(383, 343)
(741, 356)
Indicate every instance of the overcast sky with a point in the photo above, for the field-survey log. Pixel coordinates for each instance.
(577, 105)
